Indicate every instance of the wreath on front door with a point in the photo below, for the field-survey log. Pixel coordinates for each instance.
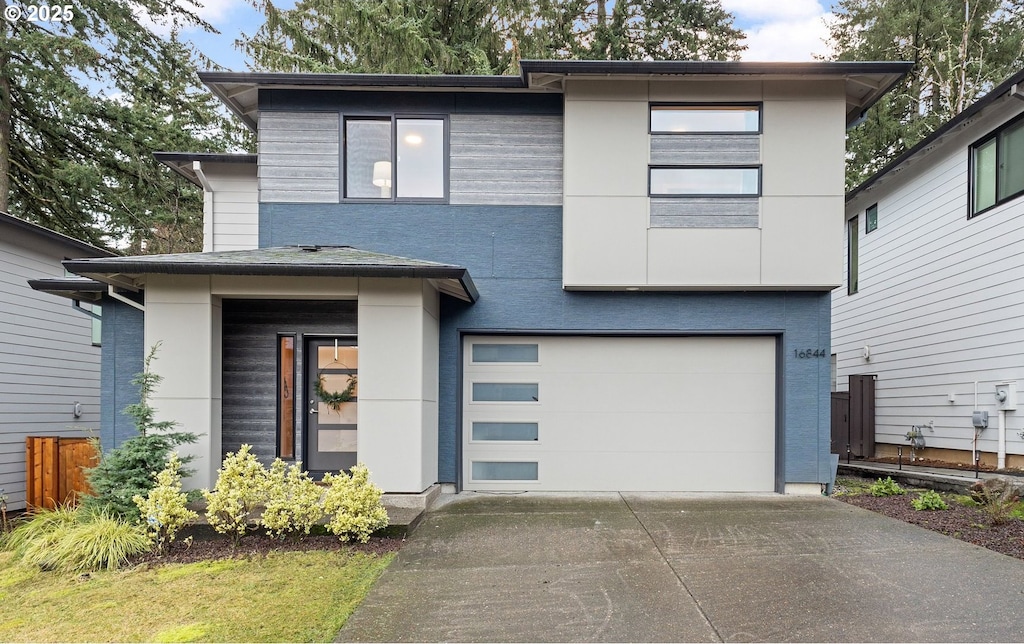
(334, 399)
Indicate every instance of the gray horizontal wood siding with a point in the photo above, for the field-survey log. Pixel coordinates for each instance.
(299, 157)
(47, 359)
(705, 149)
(509, 159)
(250, 333)
(696, 212)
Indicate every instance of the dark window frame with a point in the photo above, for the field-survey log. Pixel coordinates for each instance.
(971, 167)
(758, 104)
(871, 218)
(852, 256)
(394, 117)
(728, 195)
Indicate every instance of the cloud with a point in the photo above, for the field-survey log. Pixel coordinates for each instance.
(211, 11)
(762, 11)
(793, 40)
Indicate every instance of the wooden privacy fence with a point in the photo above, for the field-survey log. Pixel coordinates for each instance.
(55, 469)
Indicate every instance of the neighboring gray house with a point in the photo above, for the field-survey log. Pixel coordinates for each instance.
(593, 276)
(933, 301)
(49, 351)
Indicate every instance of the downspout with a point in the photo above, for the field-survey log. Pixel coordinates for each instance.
(197, 167)
(1001, 456)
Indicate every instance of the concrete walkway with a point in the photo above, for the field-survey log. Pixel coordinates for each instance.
(656, 567)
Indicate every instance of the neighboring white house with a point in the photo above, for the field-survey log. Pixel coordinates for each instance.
(49, 352)
(933, 300)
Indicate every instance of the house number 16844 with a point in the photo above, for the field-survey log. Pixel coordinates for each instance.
(809, 353)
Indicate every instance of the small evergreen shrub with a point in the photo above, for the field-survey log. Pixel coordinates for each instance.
(929, 500)
(886, 487)
(241, 487)
(997, 497)
(293, 504)
(130, 469)
(354, 503)
(164, 510)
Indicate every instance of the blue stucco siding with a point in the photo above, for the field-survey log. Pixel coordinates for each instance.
(121, 358)
(514, 255)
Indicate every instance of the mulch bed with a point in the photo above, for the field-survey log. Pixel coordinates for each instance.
(929, 462)
(204, 547)
(968, 524)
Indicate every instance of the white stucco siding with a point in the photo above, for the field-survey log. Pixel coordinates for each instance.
(781, 239)
(940, 301)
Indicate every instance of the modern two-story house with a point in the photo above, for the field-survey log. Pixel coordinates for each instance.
(592, 276)
(932, 307)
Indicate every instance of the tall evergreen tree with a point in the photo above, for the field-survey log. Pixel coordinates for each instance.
(84, 102)
(960, 49)
(480, 37)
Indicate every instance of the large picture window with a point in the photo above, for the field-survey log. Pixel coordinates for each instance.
(997, 167)
(395, 158)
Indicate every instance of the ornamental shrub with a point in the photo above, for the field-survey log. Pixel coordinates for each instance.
(75, 540)
(997, 497)
(886, 487)
(164, 509)
(293, 500)
(130, 469)
(241, 487)
(355, 505)
(929, 500)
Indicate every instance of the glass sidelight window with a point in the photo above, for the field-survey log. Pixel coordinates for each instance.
(286, 396)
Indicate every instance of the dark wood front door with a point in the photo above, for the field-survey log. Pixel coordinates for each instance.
(331, 427)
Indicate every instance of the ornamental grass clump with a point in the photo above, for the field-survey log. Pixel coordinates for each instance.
(241, 488)
(354, 503)
(293, 501)
(165, 509)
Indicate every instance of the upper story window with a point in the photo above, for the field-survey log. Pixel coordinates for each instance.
(705, 181)
(852, 263)
(400, 158)
(697, 119)
(997, 167)
(870, 218)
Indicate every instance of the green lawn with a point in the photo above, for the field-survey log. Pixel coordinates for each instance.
(288, 596)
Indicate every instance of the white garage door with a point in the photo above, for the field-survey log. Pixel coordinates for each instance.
(619, 413)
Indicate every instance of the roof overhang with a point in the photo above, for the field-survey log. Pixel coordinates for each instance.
(295, 261)
(184, 163)
(70, 244)
(76, 288)
(866, 82)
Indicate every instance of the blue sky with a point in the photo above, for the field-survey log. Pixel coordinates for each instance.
(776, 29)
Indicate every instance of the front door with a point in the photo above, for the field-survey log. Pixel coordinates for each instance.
(331, 368)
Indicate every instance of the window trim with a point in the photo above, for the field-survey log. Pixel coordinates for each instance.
(727, 195)
(758, 104)
(394, 117)
(971, 167)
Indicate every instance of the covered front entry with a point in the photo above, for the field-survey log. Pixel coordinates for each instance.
(571, 413)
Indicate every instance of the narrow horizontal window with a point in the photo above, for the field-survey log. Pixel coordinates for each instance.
(505, 431)
(684, 119)
(505, 392)
(504, 353)
(504, 471)
(709, 182)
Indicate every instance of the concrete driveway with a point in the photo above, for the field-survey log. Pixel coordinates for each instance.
(656, 567)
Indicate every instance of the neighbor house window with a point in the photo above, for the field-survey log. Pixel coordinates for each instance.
(870, 218)
(851, 256)
(705, 181)
(997, 167)
(694, 119)
(97, 325)
(395, 158)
